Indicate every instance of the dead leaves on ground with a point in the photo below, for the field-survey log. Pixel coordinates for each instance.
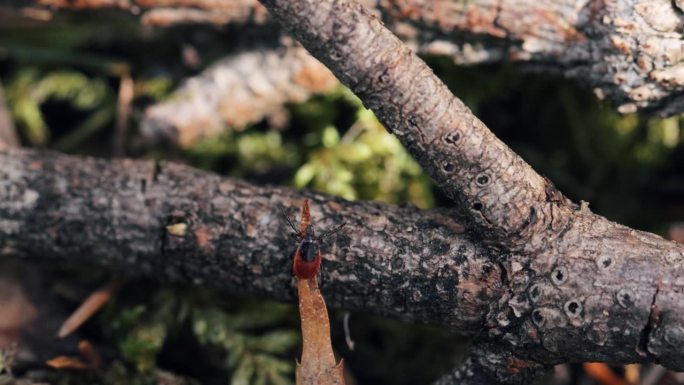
(89, 359)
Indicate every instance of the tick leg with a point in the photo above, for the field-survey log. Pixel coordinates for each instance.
(331, 232)
(295, 232)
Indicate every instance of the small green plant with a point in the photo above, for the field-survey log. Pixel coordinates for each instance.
(141, 329)
(254, 357)
(366, 162)
(30, 88)
(246, 152)
(247, 339)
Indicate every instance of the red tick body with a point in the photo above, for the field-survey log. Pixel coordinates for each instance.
(307, 257)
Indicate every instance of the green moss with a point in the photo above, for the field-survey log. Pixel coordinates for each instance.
(253, 357)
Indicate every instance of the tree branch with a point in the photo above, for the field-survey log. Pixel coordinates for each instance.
(574, 279)
(172, 222)
(239, 90)
(627, 50)
(551, 281)
(505, 198)
(604, 293)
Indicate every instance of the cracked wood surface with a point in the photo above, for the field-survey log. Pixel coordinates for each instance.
(630, 51)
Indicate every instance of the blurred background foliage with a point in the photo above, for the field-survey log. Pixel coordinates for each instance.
(61, 82)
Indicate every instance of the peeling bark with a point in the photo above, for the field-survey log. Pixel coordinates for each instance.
(239, 90)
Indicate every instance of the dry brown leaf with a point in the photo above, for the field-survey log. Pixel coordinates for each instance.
(317, 366)
(602, 373)
(66, 362)
(91, 356)
(89, 359)
(91, 305)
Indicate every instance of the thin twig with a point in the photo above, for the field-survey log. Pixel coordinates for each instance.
(90, 306)
(123, 111)
(8, 134)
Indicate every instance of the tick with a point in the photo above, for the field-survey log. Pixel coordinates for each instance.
(307, 257)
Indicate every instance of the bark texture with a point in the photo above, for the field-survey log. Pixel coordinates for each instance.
(175, 223)
(505, 198)
(627, 50)
(558, 258)
(539, 279)
(488, 364)
(601, 292)
(239, 90)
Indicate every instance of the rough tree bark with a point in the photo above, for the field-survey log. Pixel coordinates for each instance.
(539, 279)
(232, 235)
(557, 257)
(237, 91)
(627, 50)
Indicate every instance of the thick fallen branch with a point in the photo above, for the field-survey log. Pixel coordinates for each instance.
(626, 50)
(172, 222)
(605, 293)
(580, 288)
